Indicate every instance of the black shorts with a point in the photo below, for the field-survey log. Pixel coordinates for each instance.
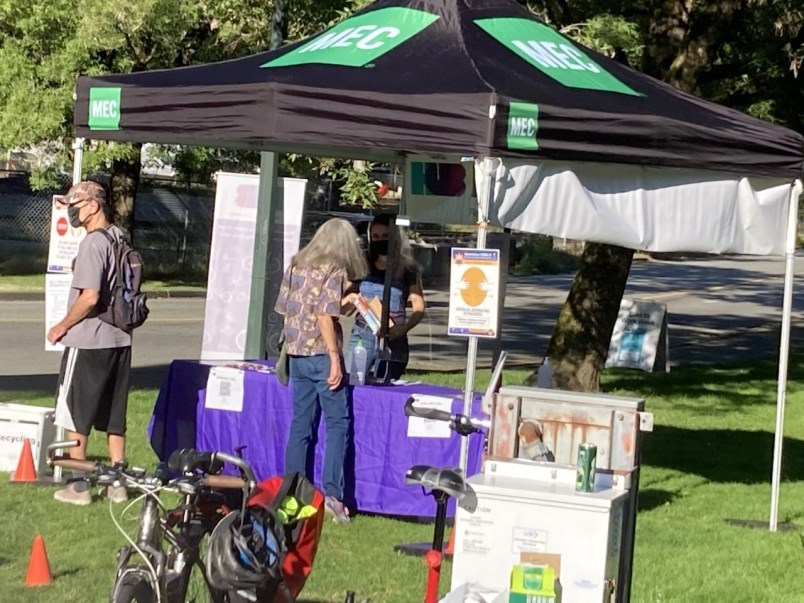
(93, 390)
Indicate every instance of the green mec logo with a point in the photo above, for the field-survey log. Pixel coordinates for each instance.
(523, 125)
(104, 109)
(358, 41)
(552, 54)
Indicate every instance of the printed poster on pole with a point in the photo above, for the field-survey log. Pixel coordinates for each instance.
(57, 291)
(473, 293)
(64, 239)
(64, 242)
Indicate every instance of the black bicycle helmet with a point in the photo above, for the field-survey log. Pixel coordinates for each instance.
(244, 555)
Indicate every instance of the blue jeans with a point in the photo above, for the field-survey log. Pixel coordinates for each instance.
(308, 380)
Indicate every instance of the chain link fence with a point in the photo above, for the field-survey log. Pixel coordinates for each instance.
(172, 226)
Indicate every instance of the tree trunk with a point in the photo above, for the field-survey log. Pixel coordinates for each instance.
(580, 341)
(124, 182)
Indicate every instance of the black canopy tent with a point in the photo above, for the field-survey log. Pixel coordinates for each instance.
(438, 77)
(446, 78)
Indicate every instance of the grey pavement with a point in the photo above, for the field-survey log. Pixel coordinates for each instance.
(719, 310)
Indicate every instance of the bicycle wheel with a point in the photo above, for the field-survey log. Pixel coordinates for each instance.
(133, 586)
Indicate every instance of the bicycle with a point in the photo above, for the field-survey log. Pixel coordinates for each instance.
(443, 483)
(160, 565)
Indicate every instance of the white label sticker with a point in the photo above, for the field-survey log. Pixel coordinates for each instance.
(528, 540)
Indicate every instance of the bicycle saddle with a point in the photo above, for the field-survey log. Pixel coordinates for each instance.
(445, 479)
(188, 460)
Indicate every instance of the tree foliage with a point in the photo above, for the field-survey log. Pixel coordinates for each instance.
(46, 44)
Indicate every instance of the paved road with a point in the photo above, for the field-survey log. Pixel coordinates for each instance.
(719, 309)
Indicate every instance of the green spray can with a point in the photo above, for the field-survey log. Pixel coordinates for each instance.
(587, 460)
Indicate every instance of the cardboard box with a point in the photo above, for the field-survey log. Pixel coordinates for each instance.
(18, 422)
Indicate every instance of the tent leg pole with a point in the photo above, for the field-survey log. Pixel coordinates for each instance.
(489, 167)
(260, 305)
(784, 352)
(78, 160)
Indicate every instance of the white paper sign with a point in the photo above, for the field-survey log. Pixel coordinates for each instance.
(225, 389)
(64, 239)
(429, 428)
(640, 338)
(473, 292)
(57, 290)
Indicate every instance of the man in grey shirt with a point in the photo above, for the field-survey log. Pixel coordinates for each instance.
(95, 367)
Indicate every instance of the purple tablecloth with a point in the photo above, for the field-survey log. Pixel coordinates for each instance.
(379, 453)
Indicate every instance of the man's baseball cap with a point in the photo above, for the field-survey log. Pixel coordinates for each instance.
(86, 190)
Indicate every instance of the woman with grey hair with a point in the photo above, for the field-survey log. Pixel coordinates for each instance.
(310, 300)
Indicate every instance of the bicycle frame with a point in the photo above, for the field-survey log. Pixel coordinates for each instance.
(181, 528)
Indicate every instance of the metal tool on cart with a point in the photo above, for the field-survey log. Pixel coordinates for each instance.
(518, 505)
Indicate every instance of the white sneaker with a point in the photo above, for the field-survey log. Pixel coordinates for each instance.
(117, 494)
(70, 495)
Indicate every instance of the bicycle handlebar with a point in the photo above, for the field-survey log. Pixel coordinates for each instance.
(207, 480)
(426, 413)
(68, 463)
(241, 464)
(461, 423)
(224, 482)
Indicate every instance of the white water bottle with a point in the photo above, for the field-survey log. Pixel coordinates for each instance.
(357, 372)
(544, 377)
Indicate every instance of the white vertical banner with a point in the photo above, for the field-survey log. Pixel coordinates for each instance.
(231, 256)
(64, 242)
(293, 213)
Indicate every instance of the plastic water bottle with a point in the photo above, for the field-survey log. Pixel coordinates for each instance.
(357, 374)
(544, 378)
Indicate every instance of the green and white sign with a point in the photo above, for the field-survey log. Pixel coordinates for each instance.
(552, 54)
(523, 126)
(358, 41)
(104, 109)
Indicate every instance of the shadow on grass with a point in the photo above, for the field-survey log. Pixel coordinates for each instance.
(66, 572)
(738, 384)
(651, 498)
(722, 455)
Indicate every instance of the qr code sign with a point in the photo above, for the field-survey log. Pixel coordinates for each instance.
(226, 388)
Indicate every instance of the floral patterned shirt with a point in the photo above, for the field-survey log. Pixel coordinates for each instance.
(304, 294)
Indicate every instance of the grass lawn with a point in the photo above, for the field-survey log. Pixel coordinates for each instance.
(708, 460)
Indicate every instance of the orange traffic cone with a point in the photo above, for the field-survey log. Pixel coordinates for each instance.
(38, 567)
(450, 550)
(26, 470)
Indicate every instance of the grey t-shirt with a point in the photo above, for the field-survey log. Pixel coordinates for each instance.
(94, 269)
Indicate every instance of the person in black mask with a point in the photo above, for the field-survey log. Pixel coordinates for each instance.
(406, 288)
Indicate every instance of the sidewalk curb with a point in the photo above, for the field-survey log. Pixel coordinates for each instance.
(40, 295)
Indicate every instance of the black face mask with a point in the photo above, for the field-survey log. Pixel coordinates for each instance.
(378, 248)
(73, 214)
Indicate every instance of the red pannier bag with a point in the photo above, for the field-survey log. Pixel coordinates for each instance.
(301, 536)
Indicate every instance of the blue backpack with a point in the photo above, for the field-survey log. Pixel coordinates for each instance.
(127, 308)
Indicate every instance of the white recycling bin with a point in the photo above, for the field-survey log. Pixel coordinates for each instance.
(520, 506)
(19, 421)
